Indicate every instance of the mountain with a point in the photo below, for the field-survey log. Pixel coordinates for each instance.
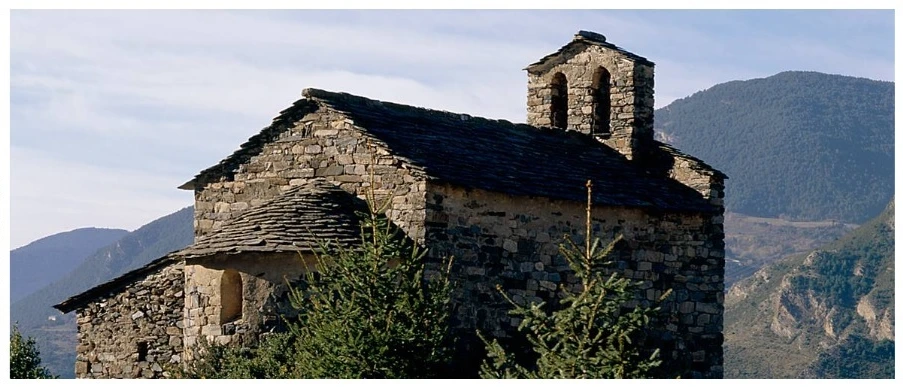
(796, 145)
(55, 333)
(829, 313)
(751, 242)
(45, 260)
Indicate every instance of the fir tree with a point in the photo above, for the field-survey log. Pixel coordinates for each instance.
(363, 312)
(24, 358)
(591, 335)
(368, 311)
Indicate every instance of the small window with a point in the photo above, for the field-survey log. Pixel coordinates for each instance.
(142, 351)
(231, 296)
(559, 108)
(601, 92)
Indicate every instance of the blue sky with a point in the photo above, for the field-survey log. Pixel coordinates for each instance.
(112, 110)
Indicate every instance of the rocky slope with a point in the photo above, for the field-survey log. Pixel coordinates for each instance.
(752, 242)
(829, 313)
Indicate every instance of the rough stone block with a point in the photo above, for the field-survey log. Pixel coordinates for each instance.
(706, 307)
(475, 271)
(333, 170)
(548, 285)
(81, 368)
(687, 307)
(510, 245)
(211, 330)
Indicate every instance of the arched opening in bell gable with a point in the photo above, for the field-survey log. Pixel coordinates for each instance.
(559, 106)
(601, 92)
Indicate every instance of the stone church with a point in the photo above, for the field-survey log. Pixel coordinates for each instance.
(497, 196)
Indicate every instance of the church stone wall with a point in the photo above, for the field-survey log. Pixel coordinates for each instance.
(135, 332)
(263, 291)
(497, 239)
(322, 144)
(692, 173)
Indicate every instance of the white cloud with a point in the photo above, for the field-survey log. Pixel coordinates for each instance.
(161, 95)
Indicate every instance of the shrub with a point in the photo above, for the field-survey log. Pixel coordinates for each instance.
(369, 312)
(363, 312)
(25, 358)
(591, 335)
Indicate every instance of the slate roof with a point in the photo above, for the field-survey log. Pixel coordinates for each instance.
(581, 40)
(494, 155)
(293, 221)
(81, 299)
(296, 220)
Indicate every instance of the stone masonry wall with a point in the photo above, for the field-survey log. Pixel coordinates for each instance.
(498, 239)
(112, 328)
(691, 173)
(631, 97)
(264, 279)
(324, 143)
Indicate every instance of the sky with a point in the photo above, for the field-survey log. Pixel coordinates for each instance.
(110, 111)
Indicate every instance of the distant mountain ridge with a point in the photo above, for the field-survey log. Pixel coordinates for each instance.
(48, 259)
(796, 145)
(55, 333)
(829, 313)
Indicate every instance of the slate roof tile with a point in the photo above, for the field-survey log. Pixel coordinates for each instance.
(296, 220)
(494, 155)
(516, 159)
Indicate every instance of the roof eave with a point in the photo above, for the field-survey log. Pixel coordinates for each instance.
(79, 300)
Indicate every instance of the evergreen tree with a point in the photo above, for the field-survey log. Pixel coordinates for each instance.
(591, 335)
(24, 358)
(363, 312)
(368, 311)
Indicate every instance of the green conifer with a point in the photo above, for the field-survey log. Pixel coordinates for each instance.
(25, 358)
(592, 334)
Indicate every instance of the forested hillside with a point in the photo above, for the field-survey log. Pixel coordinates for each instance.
(55, 333)
(796, 145)
(45, 260)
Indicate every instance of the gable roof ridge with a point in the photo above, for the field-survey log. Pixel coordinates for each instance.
(226, 167)
(585, 38)
(336, 100)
